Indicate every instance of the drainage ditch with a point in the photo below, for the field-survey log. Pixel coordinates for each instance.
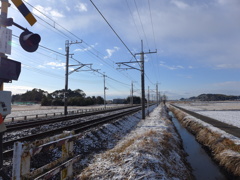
(202, 164)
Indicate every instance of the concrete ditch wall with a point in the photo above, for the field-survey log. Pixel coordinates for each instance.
(225, 148)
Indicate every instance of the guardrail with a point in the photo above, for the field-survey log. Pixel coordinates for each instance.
(64, 165)
(34, 116)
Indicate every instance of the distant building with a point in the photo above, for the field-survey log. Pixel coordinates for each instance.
(119, 101)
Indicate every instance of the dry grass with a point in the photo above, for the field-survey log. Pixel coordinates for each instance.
(230, 161)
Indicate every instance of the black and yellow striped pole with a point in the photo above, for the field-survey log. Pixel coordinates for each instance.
(25, 11)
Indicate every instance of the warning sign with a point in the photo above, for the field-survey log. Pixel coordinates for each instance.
(5, 40)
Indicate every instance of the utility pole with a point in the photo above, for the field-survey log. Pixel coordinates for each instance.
(148, 101)
(67, 45)
(157, 92)
(105, 88)
(132, 94)
(142, 74)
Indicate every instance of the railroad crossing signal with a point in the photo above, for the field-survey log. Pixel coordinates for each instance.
(29, 41)
(25, 11)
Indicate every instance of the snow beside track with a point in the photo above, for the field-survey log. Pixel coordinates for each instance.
(151, 151)
(228, 112)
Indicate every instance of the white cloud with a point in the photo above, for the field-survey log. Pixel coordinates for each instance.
(227, 66)
(68, 8)
(111, 51)
(55, 64)
(17, 89)
(48, 11)
(87, 48)
(81, 7)
(180, 4)
(172, 67)
(41, 66)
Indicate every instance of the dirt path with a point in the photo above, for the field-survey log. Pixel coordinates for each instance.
(223, 126)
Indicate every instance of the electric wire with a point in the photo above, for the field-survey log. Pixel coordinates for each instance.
(112, 29)
(53, 75)
(65, 35)
(141, 22)
(55, 23)
(133, 19)
(154, 38)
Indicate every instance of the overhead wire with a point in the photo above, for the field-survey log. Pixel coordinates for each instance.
(113, 30)
(42, 72)
(145, 33)
(133, 20)
(55, 23)
(65, 35)
(154, 37)
(141, 22)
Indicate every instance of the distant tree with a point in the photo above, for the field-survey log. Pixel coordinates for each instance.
(99, 100)
(136, 100)
(46, 101)
(34, 95)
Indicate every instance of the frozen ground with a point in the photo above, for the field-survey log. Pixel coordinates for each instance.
(31, 110)
(227, 112)
(151, 151)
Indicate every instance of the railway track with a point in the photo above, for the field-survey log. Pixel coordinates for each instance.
(44, 121)
(77, 128)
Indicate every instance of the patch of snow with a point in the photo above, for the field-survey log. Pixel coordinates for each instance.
(229, 117)
(151, 151)
(228, 112)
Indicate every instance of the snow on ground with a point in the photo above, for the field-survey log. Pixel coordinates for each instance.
(37, 109)
(228, 112)
(229, 117)
(151, 151)
(131, 148)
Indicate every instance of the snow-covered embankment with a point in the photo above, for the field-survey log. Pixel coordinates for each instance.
(152, 150)
(224, 147)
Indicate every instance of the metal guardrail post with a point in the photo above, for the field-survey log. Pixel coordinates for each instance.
(67, 150)
(20, 165)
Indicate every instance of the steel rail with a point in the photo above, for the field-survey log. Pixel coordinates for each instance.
(77, 128)
(44, 121)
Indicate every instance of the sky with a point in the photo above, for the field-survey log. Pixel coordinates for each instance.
(197, 45)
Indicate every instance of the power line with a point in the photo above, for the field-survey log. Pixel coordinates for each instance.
(41, 72)
(133, 19)
(65, 35)
(112, 29)
(141, 22)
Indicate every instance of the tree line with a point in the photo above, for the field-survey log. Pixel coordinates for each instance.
(75, 98)
(213, 97)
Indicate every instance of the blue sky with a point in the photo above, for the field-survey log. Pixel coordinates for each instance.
(197, 42)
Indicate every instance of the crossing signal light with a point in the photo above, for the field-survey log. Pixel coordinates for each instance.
(29, 41)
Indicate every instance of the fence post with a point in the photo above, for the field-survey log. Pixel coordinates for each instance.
(17, 164)
(67, 150)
